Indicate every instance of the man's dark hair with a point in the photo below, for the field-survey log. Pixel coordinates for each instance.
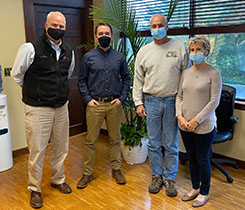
(102, 24)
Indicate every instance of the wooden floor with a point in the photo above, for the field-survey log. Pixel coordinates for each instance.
(104, 193)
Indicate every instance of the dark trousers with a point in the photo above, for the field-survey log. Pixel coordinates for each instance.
(198, 147)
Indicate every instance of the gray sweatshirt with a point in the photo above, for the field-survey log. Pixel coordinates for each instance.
(198, 97)
(158, 69)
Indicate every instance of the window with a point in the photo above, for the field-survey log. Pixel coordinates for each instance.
(218, 12)
(146, 8)
(222, 21)
(228, 55)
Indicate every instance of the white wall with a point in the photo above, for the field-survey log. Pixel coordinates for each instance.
(11, 37)
(236, 147)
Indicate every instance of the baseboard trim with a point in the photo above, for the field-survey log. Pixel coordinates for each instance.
(182, 155)
(19, 152)
(24, 151)
(240, 163)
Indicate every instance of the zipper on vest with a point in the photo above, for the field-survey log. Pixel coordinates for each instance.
(55, 69)
(57, 78)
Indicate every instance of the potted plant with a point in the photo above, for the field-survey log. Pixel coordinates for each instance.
(134, 134)
(134, 137)
(122, 16)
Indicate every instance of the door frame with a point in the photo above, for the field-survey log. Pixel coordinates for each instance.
(78, 4)
(31, 34)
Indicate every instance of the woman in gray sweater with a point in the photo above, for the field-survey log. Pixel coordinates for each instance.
(198, 96)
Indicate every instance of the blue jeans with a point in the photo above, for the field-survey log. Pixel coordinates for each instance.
(198, 148)
(162, 129)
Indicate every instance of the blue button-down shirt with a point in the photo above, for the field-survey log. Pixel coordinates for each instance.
(104, 74)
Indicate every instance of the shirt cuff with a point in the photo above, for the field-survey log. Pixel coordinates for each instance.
(178, 113)
(87, 98)
(137, 103)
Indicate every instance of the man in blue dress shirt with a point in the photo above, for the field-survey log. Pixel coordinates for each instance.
(104, 83)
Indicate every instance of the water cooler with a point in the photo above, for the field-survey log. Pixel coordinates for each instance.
(6, 158)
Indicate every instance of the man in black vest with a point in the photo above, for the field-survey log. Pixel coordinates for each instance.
(42, 69)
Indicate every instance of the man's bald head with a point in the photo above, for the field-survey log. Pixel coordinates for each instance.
(159, 28)
(159, 18)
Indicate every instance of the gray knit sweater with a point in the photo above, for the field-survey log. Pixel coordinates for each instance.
(158, 69)
(198, 96)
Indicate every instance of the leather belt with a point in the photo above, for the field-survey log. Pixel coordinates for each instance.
(104, 99)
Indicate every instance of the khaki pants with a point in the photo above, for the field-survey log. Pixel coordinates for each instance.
(112, 113)
(43, 124)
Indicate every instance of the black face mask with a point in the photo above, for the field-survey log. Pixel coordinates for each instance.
(56, 34)
(104, 41)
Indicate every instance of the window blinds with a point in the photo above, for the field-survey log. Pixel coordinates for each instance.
(191, 13)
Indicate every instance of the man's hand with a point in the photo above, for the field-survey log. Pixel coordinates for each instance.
(192, 125)
(141, 111)
(93, 103)
(182, 122)
(117, 101)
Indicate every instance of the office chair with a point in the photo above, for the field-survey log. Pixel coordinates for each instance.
(225, 126)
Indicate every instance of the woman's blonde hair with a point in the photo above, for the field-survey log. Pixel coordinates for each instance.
(202, 40)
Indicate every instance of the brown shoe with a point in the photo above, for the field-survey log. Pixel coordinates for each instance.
(63, 188)
(36, 200)
(170, 187)
(155, 185)
(83, 182)
(117, 175)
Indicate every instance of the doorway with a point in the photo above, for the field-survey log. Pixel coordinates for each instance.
(79, 30)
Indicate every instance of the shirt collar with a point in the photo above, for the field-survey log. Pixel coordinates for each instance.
(55, 46)
(104, 52)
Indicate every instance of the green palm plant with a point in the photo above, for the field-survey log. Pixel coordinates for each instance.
(122, 16)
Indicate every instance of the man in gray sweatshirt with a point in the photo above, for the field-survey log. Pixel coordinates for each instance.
(158, 69)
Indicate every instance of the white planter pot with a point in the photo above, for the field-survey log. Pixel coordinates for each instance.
(137, 154)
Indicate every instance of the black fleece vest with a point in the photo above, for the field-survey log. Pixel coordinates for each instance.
(46, 80)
